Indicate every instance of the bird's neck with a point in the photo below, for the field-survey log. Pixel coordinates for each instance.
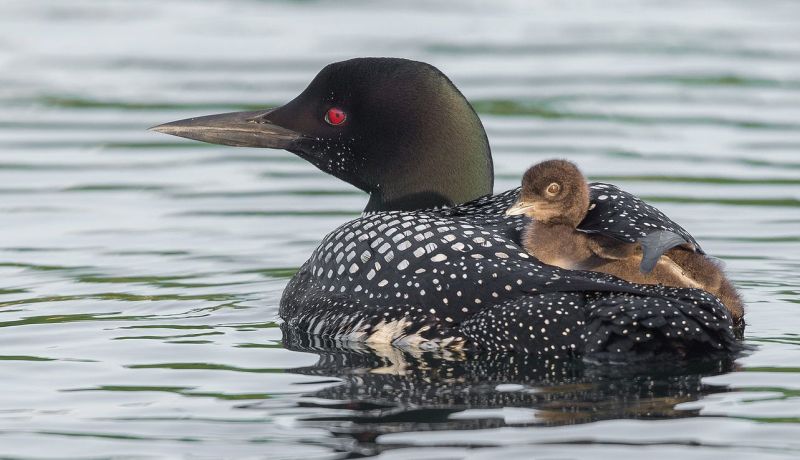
(444, 164)
(417, 201)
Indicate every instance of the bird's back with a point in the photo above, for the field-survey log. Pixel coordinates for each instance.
(458, 277)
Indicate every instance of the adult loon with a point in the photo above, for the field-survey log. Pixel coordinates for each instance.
(555, 195)
(434, 261)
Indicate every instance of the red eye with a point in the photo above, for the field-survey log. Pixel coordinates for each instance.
(335, 116)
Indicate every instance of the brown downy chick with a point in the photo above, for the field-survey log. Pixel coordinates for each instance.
(556, 196)
(711, 277)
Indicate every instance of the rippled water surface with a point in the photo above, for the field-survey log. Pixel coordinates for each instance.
(141, 274)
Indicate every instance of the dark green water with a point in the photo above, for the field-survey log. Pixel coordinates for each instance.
(141, 274)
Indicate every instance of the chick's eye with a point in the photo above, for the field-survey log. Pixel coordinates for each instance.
(553, 188)
(335, 116)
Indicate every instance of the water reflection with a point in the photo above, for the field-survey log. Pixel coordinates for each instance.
(387, 390)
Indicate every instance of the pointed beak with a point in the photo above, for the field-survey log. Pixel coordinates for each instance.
(239, 129)
(520, 207)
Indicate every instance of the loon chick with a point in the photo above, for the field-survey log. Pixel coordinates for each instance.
(555, 196)
(434, 261)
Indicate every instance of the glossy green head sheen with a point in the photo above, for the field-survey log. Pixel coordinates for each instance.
(397, 129)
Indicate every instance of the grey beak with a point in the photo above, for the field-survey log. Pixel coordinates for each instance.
(239, 129)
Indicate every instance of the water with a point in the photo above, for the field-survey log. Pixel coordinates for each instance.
(141, 274)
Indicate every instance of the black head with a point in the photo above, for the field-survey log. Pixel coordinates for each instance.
(553, 192)
(397, 129)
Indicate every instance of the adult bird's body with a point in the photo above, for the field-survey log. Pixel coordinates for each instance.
(434, 261)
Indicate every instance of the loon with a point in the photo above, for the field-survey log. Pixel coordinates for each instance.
(434, 262)
(555, 196)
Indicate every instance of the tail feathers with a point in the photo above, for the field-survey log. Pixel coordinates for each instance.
(691, 323)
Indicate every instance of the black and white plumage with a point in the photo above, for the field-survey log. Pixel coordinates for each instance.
(458, 277)
(616, 213)
(627, 218)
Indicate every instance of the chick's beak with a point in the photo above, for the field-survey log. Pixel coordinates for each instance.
(520, 207)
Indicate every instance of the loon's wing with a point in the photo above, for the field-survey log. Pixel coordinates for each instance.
(613, 326)
(618, 214)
